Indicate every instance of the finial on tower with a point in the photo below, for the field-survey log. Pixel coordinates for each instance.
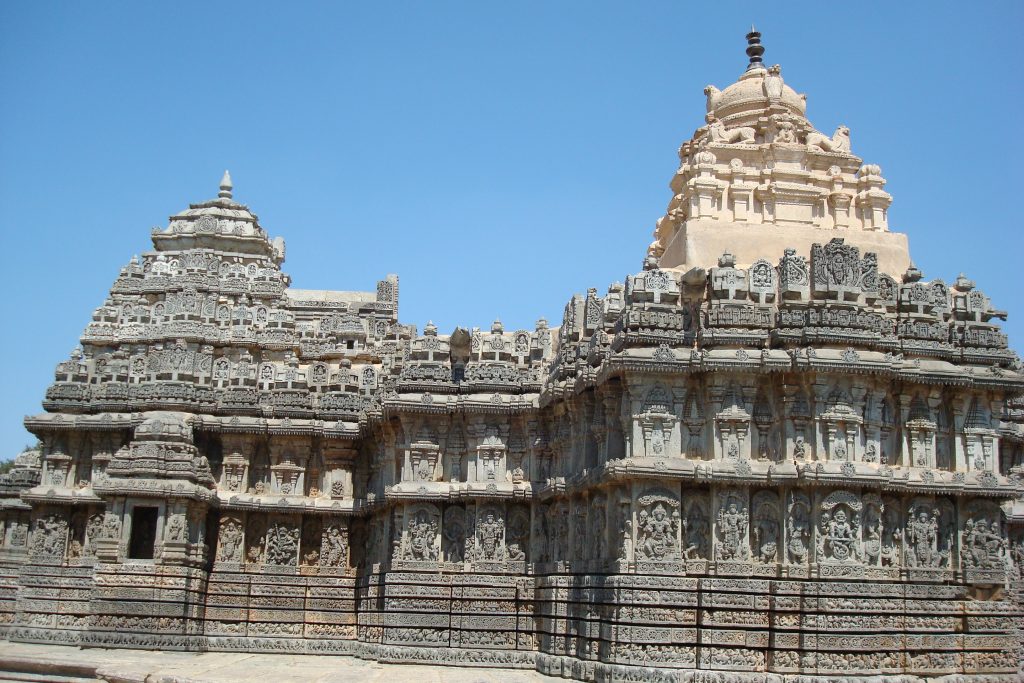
(754, 49)
(225, 186)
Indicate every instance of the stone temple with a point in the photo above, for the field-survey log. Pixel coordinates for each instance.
(777, 453)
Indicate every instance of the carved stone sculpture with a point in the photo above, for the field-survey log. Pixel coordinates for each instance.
(229, 543)
(733, 521)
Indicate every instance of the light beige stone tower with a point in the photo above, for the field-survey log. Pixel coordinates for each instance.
(758, 177)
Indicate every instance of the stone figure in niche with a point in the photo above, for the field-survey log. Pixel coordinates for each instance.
(229, 547)
(891, 535)
(254, 555)
(922, 537)
(454, 534)
(840, 536)
(93, 531)
(233, 478)
(19, 534)
(872, 531)
(111, 526)
(518, 532)
(733, 521)
(491, 534)
(282, 544)
(422, 534)
(696, 526)
(657, 529)
(49, 536)
(734, 450)
(983, 546)
(333, 546)
(424, 469)
(176, 528)
(799, 448)
(840, 452)
(798, 527)
(766, 527)
(839, 528)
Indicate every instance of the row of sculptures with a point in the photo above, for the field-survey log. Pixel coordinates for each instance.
(729, 526)
(794, 527)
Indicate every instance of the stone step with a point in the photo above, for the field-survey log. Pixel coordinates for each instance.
(13, 668)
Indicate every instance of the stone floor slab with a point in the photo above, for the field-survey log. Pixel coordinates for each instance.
(29, 661)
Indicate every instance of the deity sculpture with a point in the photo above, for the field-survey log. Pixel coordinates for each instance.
(282, 544)
(891, 537)
(656, 534)
(798, 527)
(696, 525)
(49, 535)
(766, 534)
(422, 534)
(841, 537)
(229, 543)
(454, 534)
(922, 538)
(334, 547)
(176, 528)
(799, 448)
(983, 546)
(491, 535)
(732, 528)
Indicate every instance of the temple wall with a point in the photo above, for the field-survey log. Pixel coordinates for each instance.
(777, 454)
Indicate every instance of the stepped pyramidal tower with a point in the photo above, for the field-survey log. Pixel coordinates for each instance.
(777, 451)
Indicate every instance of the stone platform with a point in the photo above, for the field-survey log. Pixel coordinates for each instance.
(32, 662)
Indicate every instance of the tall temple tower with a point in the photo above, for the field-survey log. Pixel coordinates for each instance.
(777, 451)
(758, 175)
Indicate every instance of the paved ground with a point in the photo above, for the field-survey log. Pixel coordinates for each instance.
(24, 662)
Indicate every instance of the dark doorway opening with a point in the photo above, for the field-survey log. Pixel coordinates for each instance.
(143, 538)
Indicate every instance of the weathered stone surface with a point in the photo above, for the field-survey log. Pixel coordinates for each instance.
(786, 460)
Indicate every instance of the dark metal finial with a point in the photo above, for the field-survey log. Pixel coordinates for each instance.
(754, 49)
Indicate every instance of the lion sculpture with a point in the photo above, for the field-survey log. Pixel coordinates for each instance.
(839, 142)
(717, 132)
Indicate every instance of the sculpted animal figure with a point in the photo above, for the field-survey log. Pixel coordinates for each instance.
(773, 83)
(714, 95)
(839, 142)
(717, 132)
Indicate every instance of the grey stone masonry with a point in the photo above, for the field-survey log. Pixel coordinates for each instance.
(786, 464)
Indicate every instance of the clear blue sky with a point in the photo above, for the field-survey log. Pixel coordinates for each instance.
(497, 156)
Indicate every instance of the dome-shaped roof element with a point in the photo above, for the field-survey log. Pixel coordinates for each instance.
(758, 92)
(752, 97)
(220, 223)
